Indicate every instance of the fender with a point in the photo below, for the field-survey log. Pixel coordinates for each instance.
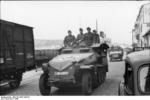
(45, 67)
(86, 66)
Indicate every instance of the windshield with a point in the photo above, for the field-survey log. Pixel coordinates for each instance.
(114, 52)
(144, 78)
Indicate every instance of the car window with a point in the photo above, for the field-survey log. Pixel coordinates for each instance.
(144, 78)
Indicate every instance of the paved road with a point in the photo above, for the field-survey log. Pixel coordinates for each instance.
(29, 85)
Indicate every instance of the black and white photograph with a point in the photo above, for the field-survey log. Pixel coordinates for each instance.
(74, 48)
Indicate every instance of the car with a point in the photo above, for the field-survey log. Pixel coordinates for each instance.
(83, 67)
(116, 55)
(136, 80)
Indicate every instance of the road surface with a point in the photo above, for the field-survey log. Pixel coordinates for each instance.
(29, 85)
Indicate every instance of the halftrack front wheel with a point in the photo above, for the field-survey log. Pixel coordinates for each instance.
(86, 83)
(45, 89)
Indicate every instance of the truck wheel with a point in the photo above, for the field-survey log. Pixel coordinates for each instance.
(45, 89)
(86, 83)
(17, 80)
(14, 84)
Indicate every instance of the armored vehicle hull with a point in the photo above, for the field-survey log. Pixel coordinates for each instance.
(82, 67)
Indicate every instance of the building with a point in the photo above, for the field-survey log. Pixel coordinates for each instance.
(141, 31)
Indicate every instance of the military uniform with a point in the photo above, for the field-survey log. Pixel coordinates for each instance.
(80, 37)
(96, 38)
(88, 38)
(69, 40)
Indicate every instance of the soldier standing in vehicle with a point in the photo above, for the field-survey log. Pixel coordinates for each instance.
(80, 36)
(88, 37)
(95, 37)
(69, 39)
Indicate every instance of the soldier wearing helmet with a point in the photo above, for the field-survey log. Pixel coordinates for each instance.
(88, 37)
(80, 36)
(95, 37)
(69, 39)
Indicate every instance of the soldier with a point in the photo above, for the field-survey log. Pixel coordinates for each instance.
(95, 37)
(88, 37)
(80, 36)
(102, 36)
(69, 39)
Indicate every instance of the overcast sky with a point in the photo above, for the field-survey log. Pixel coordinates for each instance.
(51, 20)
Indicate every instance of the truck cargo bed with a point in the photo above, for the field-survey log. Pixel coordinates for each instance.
(16, 47)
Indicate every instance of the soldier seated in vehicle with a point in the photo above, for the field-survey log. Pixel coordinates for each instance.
(95, 37)
(80, 36)
(80, 39)
(69, 39)
(88, 37)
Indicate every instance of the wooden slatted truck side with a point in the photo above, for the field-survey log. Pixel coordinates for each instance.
(16, 52)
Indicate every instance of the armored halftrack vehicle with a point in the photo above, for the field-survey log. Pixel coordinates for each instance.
(85, 67)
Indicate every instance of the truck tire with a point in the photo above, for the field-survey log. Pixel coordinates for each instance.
(86, 83)
(14, 84)
(45, 89)
(17, 80)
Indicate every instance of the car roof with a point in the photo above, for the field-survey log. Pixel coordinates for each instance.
(139, 57)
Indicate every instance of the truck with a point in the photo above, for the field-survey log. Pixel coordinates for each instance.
(115, 53)
(16, 52)
(84, 67)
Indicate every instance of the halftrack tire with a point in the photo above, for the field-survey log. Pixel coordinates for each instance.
(17, 81)
(86, 83)
(104, 75)
(43, 85)
(100, 74)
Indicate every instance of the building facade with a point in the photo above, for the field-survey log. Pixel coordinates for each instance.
(141, 31)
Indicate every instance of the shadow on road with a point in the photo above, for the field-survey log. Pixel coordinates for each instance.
(67, 91)
(6, 90)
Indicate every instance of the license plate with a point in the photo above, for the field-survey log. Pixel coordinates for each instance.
(61, 73)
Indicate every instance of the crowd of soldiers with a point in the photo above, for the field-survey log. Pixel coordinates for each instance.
(88, 38)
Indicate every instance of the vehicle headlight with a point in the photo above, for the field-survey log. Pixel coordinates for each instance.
(45, 67)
